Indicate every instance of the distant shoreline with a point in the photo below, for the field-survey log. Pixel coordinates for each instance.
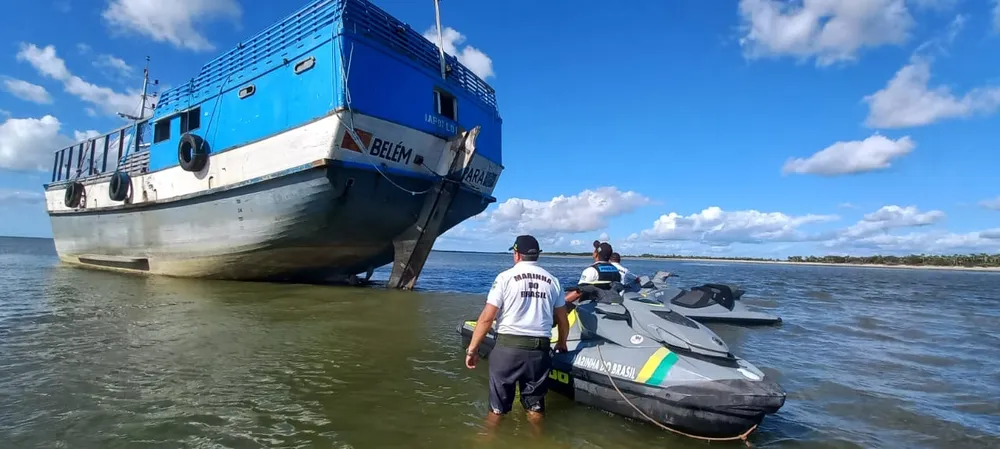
(821, 264)
(980, 268)
(765, 261)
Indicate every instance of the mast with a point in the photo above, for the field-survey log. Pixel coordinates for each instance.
(437, 14)
(145, 84)
(142, 109)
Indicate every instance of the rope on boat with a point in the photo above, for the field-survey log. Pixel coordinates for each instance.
(345, 68)
(742, 436)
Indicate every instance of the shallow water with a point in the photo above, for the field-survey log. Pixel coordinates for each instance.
(870, 358)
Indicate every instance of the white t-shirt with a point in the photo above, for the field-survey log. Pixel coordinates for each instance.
(626, 276)
(526, 295)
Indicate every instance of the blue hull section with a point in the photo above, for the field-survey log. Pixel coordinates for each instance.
(330, 55)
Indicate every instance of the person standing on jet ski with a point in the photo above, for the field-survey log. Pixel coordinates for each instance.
(524, 301)
(601, 273)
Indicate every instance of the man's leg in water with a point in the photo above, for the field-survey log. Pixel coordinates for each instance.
(504, 367)
(534, 375)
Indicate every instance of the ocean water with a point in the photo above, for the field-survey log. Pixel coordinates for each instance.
(869, 357)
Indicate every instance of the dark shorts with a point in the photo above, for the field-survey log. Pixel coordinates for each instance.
(526, 369)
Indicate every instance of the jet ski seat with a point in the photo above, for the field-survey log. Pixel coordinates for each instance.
(605, 294)
(709, 293)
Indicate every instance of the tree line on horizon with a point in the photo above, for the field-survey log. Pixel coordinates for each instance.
(953, 260)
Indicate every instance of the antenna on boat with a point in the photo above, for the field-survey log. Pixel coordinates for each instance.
(142, 105)
(437, 14)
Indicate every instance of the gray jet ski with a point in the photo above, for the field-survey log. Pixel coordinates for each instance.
(706, 303)
(671, 369)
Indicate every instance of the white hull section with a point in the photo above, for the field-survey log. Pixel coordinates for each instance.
(321, 139)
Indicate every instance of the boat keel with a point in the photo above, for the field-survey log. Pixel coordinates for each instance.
(414, 245)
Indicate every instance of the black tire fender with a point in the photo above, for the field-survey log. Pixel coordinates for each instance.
(119, 186)
(192, 152)
(74, 191)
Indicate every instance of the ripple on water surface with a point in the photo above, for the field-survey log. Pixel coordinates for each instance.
(869, 357)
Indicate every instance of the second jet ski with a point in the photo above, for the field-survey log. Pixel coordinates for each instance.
(706, 303)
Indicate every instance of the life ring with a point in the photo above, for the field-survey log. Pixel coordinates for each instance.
(73, 193)
(119, 186)
(192, 152)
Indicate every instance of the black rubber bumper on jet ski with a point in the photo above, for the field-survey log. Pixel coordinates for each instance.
(709, 409)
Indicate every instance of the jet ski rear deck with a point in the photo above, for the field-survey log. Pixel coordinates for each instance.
(706, 303)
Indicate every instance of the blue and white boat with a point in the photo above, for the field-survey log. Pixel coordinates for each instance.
(332, 143)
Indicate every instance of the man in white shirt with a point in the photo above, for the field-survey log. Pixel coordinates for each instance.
(524, 300)
(629, 280)
(601, 273)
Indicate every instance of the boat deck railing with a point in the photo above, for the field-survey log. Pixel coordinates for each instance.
(276, 45)
(98, 157)
(365, 18)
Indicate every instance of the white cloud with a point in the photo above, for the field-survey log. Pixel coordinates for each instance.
(44, 60)
(469, 56)
(84, 135)
(874, 153)
(587, 211)
(48, 63)
(117, 65)
(11, 196)
(27, 144)
(996, 16)
(830, 31)
(27, 91)
(716, 231)
(936, 242)
(718, 227)
(176, 25)
(891, 217)
(908, 100)
(991, 204)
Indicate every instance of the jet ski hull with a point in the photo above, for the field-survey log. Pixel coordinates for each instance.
(740, 315)
(665, 386)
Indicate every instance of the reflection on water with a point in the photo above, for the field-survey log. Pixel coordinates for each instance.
(869, 357)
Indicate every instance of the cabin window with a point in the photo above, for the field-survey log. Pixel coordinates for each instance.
(247, 91)
(161, 131)
(447, 104)
(190, 120)
(305, 64)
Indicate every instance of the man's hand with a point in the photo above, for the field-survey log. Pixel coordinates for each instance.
(471, 357)
(483, 326)
(561, 347)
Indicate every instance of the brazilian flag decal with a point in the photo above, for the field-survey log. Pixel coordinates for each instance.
(657, 367)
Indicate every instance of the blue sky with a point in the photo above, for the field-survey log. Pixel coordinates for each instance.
(750, 127)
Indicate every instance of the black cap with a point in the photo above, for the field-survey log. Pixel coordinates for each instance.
(604, 250)
(525, 244)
